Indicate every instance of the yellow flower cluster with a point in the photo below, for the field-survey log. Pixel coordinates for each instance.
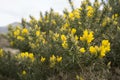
(16, 32)
(102, 50)
(74, 14)
(64, 41)
(20, 34)
(54, 59)
(1, 52)
(26, 55)
(90, 11)
(87, 36)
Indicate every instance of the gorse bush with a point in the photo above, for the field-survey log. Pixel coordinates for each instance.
(69, 46)
(113, 33)
(27, 66)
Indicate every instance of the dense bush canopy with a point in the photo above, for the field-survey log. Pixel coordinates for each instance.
(81, 44)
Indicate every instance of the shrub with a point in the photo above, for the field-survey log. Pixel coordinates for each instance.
(58, 44)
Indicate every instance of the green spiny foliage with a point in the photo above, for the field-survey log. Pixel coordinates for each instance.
(78, 41)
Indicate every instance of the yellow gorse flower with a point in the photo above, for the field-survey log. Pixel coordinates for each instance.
(93, 50)
(20, 38)
(38, 33)
(59, 58)
(64, 44)
(1, 52)
(63, 37)
(82, 50)
(104, 48)
(52, 61)
(25, 31)
(105, 43)
(31, 56)
(90, 11)
(64, 41)
(42, 59)
(76, 13)
(102, 52)
(66, 25)
(24, 72)
(25, 55)
(52, 58)
(73, 31)
(71, 16)
(90, 37)
(76, 37)
(87, 36)
(16, 32)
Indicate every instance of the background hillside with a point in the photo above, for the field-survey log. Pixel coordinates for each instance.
(4, 29)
